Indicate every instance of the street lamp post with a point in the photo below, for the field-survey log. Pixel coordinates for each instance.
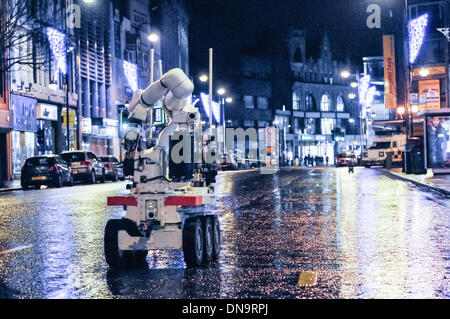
(221, 92)
(153, 37)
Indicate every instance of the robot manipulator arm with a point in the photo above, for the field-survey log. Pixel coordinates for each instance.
(137, 115)
(173, 88)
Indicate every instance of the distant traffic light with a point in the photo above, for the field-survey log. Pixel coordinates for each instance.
(123, 121)
(40, 137)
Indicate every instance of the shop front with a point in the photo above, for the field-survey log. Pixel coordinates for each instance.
(6, 125)
(69, 130)
(100, 136)
(47, 120)
(23, 136)
(312, 146)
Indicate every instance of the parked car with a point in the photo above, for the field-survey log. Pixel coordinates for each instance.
(113, 168)
(85, 165)
(50, 170)
(377, 153)
(344, 158)
(226, 162)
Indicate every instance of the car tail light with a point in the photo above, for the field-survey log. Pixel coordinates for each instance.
(53, 168)
(84, 163)
(108, 166)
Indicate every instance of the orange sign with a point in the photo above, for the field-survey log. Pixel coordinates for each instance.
(390, 86)
(431, 90)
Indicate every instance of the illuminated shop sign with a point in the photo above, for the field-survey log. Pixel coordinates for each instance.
(47, 112)
(159, 117)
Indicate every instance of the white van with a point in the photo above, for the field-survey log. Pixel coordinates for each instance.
(377, 152)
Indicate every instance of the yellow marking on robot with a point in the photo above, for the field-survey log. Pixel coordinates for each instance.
(307, 278)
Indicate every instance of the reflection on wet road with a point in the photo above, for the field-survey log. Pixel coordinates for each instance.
(366, 235)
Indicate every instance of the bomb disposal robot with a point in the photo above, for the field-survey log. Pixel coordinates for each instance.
(167, 205)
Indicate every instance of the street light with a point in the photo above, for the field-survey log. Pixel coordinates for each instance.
(424, 72)
(229, 100)
(345, 74)
(203, 78)
(53, 85)
(354, 84)
(221, 92)
(153, 37)
(401, 110)
(415, 109)
(351, 96)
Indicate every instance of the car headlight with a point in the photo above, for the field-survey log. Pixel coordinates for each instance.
(151, 206)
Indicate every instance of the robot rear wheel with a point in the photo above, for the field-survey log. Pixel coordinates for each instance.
(201, 240)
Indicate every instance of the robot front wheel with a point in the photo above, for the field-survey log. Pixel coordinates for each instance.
(115, 257)
(201, 240)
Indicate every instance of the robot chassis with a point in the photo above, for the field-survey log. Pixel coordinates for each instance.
(167, 205)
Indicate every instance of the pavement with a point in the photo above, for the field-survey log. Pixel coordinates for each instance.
(298, 233)
(439, 183)
(14, 185)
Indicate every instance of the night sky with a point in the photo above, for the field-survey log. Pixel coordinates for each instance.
(229, 25)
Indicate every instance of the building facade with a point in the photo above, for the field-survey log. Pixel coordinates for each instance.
(43, 93)
(314, 108)
(95, 55)
(6, 116)
(433, 57)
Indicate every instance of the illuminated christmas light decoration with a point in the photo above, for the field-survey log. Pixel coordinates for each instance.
(57, 42)
(445, 32)
(130, 70)
(366, 94)
(364, 83)
(370, 96)
(416, 34)
(215, 106)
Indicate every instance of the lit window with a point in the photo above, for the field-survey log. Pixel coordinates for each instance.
(310, 126)
(295, 101)
(327, 125)
(249, 102)
(340, 104)
(248, 123)
(325, 103)
(309, 103)
(262, 102)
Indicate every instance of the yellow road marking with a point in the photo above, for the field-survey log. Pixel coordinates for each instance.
(307, 278)
(14, 249)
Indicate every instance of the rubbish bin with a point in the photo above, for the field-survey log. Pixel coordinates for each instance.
(414, 156)
(388, 161)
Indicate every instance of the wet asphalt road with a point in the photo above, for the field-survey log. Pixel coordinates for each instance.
(366, 236)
